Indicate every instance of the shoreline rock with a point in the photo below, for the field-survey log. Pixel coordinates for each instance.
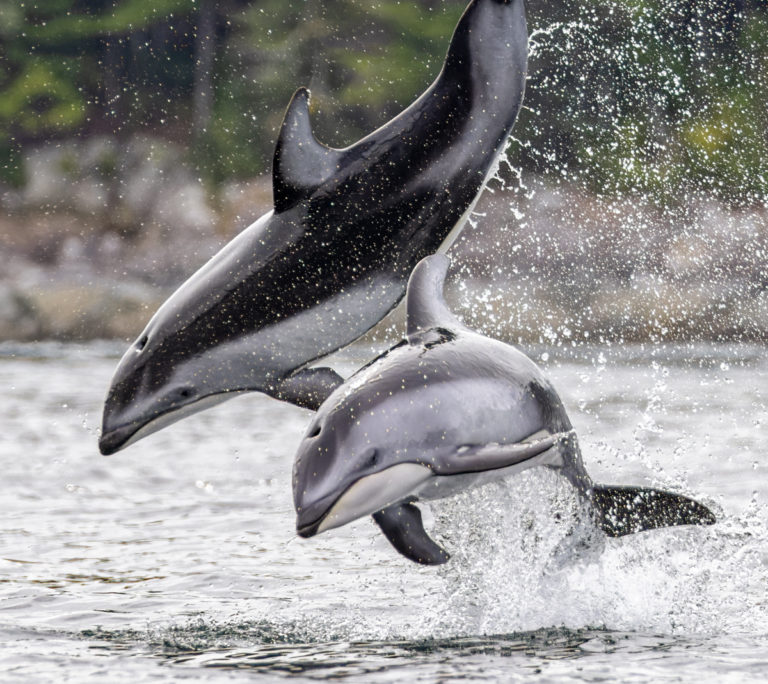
(93, 255)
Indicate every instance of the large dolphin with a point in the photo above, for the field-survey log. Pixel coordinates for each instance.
(334, 256)
(445, 409)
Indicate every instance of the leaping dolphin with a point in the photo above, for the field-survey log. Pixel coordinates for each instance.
(334, 256)
(445, 409)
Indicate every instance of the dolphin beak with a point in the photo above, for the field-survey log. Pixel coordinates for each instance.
(114, 439)
(364, 497)
(120, 423)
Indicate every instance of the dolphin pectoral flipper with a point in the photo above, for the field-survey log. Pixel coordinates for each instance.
(308, 387)
(479, 458)
(626, 510)
(402, 525)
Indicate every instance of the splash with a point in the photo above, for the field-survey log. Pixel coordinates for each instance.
(525, 555)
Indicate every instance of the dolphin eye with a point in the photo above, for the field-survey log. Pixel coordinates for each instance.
(371, 458)
(142, 343)
(315, 431)
(185, 392)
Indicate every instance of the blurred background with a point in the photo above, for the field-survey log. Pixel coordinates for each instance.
(136, 138)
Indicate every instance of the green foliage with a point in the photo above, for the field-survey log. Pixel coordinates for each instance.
(651, 98)
(58, 24)
(356, 57)
(410, 57)
(626, 96)
(11, 19)
(42, 98)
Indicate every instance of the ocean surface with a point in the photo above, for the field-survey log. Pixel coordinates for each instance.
(176, 559)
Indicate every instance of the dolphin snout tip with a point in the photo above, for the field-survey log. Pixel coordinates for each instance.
(109, 444)
(306, 532)
(306, 529)
(114, 438)
(310, 515)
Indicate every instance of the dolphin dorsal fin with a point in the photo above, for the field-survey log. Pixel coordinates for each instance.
(424, 303)
(300, 163)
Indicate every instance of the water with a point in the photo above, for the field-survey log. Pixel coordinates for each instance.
(177, 558)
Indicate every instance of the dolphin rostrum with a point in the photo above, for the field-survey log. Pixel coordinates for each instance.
(334, 256)
(445, 409)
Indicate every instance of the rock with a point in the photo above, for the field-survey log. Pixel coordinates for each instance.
(18, 320)
(72, 311)
(49, 172)
(550, 265)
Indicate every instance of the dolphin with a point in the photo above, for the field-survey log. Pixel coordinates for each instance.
(334, 255)
(443, 410)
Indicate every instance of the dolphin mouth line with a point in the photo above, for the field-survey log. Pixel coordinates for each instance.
(374, 492)
(367, 495)
(311, 529)
(116, 438)
(119, 437)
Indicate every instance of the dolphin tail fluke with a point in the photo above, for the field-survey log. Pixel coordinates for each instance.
(308, 387)
(402, 525)
(626, 510)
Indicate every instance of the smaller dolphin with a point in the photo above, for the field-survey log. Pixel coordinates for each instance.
(445, 409)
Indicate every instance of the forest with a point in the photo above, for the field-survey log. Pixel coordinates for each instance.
(136, 137)
(638, 96)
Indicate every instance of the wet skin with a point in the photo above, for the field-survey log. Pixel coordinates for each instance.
(444, 410)
(433, 400)
(334, 256)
